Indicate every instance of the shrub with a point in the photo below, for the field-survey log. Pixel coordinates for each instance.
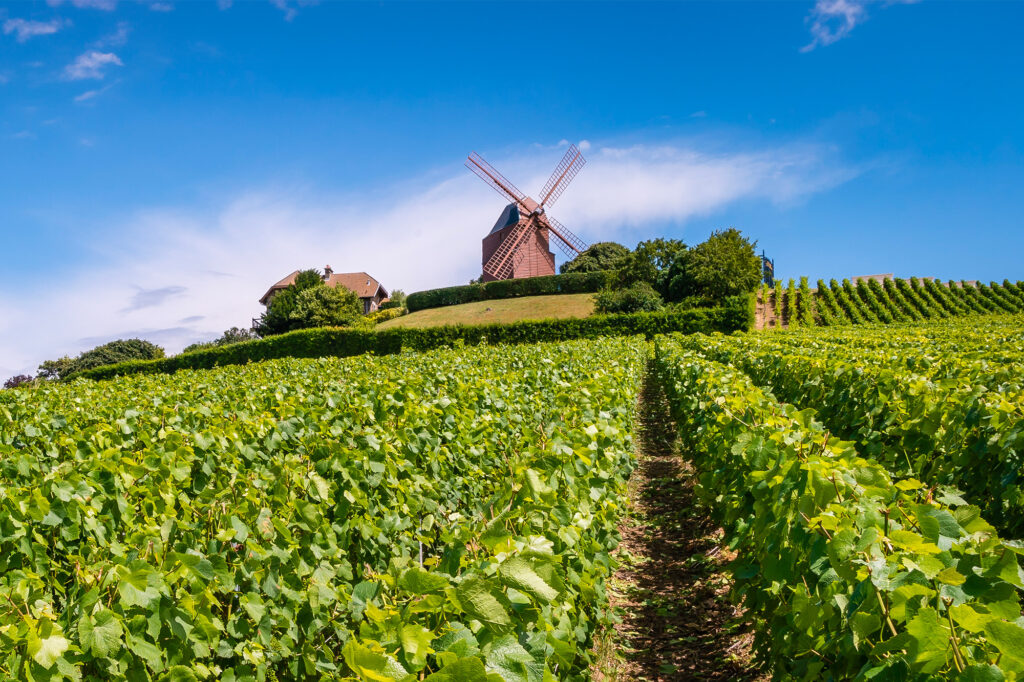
(736, 314)
(725, 264)
(17, 380)
(638, 298)
(597, 257)
(230, 336)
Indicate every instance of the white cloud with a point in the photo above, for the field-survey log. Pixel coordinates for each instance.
(105, 5)
(24, 29)
(116, 39)
(176, 276)
(91, 94)
(91, 65)
(289, 7)
(832, 20)
(161, 7)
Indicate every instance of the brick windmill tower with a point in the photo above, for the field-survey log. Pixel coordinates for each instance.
(519, 243)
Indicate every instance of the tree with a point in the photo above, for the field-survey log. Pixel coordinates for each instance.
(229, 337)
(724, 265)
(56, 369)
(396, 300)
(636, 298)
(276, 319)
(325, 306)
(599, 256)
(650, 262)
(111, 353)
(17, 380)
(114, 352)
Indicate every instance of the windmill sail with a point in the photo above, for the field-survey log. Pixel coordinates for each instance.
(519, 243)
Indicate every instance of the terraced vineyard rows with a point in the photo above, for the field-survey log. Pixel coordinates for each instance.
(442, 516)
(896, 300)
(849, 567)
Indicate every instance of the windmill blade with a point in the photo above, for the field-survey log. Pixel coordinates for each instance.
(565, 171)
(502, 262)
(492, 177)
(570, 244)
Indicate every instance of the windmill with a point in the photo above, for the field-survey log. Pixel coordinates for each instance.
(518, 244)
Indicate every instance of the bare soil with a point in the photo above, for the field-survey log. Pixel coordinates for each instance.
(671, 590)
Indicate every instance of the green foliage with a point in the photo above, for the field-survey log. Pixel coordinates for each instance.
(277, 318)
(637, 298)
(792, 316)
(384, 314)
(325, 306)
(571, 283)
(845, 572)
(651, 262)
(725, 264)
(736, 314)
(230, 336)
(396, 300)
(941, 402)
(115, 352)
(597, 258)
(805, 304)
(444, 516)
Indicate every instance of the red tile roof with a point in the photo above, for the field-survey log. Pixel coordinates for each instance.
(361, 283)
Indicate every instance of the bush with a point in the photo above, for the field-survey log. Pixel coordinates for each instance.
(725, 264)
(230, 336)
(571, 283)
(122, 350)
(737, 314)
(18, 380)
(597, 257)
(384, 314)
(638, 298)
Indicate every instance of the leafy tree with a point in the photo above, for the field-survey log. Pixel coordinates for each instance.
(396, 300)
(17, 380)
(276, 319)
(325, 306)
(636, 298)
(57, 369)
(114, 352)
(726, 264)
(229, 337)
(599, 256)
(111, 353)
(650, 262)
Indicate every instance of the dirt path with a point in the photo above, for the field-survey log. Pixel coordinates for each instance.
(671, 590)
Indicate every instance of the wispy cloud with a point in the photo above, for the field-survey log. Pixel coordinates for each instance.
(116, 39)
(151, 298)
(168, 267)
(833, 20)
(24, 29)
(24, 135)
(90, 95)
(105, 5)
(161, 6)
(91, 65)
(290, 7)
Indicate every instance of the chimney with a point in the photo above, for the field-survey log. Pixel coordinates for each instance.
(328, 272)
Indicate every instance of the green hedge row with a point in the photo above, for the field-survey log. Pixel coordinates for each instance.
(571, 283)
(736, 314)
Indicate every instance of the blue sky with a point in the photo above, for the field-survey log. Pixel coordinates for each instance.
(162, 163)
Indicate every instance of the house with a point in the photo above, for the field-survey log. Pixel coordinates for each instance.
(369, 290)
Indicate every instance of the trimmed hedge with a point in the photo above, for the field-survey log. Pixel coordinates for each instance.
(571, 283)
(737, 314)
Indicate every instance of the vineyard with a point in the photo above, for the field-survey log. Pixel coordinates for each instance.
(891, 300)
(389, 518)
(454, 515)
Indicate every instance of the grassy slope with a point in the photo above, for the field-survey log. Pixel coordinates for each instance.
(505, 310)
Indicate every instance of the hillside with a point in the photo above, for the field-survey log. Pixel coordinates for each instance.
(502, 310)
(888, 301)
